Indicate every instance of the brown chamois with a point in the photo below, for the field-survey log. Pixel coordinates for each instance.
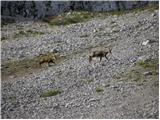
(99, 54)
(49, 58)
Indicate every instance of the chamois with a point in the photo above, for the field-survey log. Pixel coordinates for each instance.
(49, 58)
(99, 54)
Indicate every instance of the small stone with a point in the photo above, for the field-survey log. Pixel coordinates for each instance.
(67, 105)
(145, 42)
(12, 76)
(147, 73)
(114, 87)
(154, 14)
(95, 30)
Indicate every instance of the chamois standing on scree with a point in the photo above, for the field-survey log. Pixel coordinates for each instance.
(99, 54)
(49, 58)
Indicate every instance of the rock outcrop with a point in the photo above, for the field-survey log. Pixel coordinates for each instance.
(40, 9)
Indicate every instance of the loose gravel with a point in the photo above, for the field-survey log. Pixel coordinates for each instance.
(76, 76)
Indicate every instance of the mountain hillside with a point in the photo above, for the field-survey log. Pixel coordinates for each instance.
(123, 86)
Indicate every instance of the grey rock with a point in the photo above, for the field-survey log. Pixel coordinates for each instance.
(40, 9)
(148, 73)
(145, 42)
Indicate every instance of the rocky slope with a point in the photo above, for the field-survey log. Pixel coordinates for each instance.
(124, 86)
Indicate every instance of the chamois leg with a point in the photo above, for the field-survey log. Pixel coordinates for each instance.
(51, 61)
(90, 58)
(40, 63)
(100, 58)
(106, 57)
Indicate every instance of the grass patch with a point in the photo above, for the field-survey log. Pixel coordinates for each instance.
(84, 35)
(69, 18)
(12, 98)
(28, 33)
(99, 89)
(142, 72)
(14, 67)
(152, 64)
(27, 64)
(135, 76)
(51, 93)
(115, 31)
(82, 16)
(150, 7)
(35, 33)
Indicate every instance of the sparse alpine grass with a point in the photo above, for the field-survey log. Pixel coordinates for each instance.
(27, 64)
(83, 35)
(137, 73)
(69, 18)
(149, 64)
(72, 17)
(28, 33)
(99, 89)
(51, 93)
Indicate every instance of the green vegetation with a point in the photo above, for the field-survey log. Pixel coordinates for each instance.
(69, 18)
(99, 89)
(12, 98)
(150, 7)
(27, 33)
(27, 64)
(84, 35)
(149, 64)
(135, 75)
(83, 16)
(19, 66)
(51, 93)
(34, 32)
(143, 71)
